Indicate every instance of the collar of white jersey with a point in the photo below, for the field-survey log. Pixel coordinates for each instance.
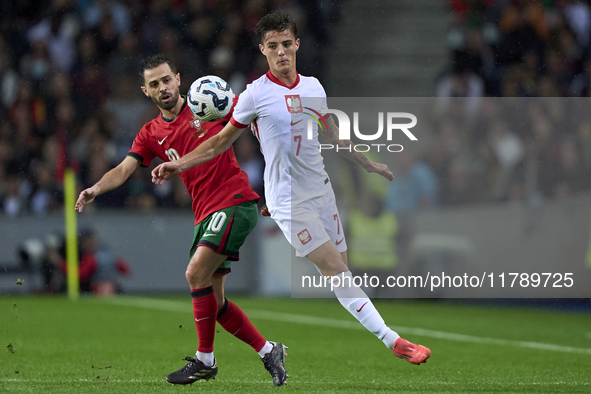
(273, 79)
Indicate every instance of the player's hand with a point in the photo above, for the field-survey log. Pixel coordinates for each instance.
(381, 169)
(86, 197)
(164, 172)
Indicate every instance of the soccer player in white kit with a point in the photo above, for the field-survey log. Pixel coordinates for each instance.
(297, 189)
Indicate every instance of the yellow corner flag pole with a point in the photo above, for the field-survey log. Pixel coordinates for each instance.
(71, 234)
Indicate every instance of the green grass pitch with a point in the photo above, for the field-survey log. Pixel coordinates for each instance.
(129, 344)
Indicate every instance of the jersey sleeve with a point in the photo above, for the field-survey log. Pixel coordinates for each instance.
(140, 149)
(324, 103)
(245, 109)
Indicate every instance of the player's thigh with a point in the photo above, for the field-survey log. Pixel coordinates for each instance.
(328, 259)
(204, 263)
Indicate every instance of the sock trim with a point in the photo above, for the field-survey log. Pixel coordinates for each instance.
(200, 293)
(222, 311)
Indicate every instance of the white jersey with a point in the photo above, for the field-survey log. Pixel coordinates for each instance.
(294, 168)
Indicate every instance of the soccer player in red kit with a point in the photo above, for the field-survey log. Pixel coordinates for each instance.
(225, 213)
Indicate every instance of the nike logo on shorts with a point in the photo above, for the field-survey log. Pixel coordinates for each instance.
(339, 242)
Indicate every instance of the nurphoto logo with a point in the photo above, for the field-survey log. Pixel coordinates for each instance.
(394, 123)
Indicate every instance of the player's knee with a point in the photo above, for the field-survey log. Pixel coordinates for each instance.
(338, 269)
(333, 267)
(196, 278)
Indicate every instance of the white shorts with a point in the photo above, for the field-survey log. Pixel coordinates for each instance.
(312, 223)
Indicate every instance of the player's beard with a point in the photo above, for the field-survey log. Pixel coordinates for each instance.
(166, 106)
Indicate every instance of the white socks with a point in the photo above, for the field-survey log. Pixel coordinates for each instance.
(266, 349)
(205, 358)
(390, 338)
(209, 360)
(356, 302)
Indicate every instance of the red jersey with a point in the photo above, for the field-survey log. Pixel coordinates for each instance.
(216, 184)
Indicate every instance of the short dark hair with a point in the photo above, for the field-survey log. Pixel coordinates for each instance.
(154, 61)
(278, 20)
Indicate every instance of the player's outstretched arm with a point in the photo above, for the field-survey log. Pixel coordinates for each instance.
(209, 149)
(111, 180)
(331, 136)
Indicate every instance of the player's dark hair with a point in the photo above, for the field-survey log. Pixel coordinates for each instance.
(278, 20)
(154, 61)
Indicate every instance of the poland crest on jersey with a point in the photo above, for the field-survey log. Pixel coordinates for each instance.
(294, 105)
(304, 236)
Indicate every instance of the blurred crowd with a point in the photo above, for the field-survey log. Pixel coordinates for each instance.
(519, 48)
(70, 89)
(69, 95)
(535, 143)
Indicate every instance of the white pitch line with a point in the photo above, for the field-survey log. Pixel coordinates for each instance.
(175, 306)
(261, 381)
(99, 380)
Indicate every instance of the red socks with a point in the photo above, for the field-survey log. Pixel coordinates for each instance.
(235, 321)
(205, 308)
(231, 317)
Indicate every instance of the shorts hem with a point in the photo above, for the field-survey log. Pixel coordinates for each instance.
(232, 256)
(222, 271)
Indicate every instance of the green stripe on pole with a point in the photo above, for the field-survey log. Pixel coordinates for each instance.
(71, 234)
